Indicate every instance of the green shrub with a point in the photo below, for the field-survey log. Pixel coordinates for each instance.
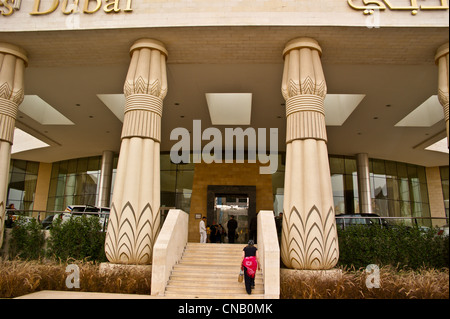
(79, 238)
(402, 246)
(27, 240)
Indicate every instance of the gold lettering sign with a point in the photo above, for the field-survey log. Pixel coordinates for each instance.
(8, 7)
(369, 6)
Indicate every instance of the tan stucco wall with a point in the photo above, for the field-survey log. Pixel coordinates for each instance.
(182, 13)
(435, 195)
(226, 174)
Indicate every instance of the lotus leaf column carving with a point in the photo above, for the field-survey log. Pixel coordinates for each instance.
(13, 61)
(134, 219)
(309, 235)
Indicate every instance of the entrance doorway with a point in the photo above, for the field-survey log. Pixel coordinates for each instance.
(226, 206)
(239, 201)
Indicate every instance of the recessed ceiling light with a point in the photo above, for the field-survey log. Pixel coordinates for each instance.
(24, 142)
(425, 115)
(229, 108)
(42, 112)
(338, 107)
(115, 103)
(439, 146)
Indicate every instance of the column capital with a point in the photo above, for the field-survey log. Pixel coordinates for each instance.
(299, 43)
(441, 52)
(150, 44)
(18, 52)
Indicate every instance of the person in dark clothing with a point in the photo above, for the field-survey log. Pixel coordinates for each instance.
(232, 226)
(214, 236)
(250, 262)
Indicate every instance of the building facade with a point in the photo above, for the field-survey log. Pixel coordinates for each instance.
(311, 108)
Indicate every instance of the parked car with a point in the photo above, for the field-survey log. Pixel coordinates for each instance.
(47, 222)
(344, 220)
(76, 211)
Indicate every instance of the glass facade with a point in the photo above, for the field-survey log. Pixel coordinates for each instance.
(398, 189)
(22, 184)
(74, 182)
(176, 183)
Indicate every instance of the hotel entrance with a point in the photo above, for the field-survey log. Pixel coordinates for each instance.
(224, 201)
(236, 206)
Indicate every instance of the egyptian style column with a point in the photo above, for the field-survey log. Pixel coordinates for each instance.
(441, 59)
(134, 218)
(364, 192)
(13, 61)
(309, 236)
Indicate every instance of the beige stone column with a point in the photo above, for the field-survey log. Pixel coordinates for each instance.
(134, 220)
(13, 61)
(309, 236)
(364, 191)
(441, 59)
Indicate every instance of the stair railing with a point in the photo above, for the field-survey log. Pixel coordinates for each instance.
(269, 253)
(168, 249)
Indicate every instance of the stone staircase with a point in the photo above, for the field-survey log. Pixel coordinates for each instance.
(209, 271)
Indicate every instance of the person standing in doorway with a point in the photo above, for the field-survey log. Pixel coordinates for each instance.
(202, 227)
(232, 226)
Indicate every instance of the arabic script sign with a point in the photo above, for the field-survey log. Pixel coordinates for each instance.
(369, 7)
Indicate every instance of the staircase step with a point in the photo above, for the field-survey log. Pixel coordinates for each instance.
(177, 295)
(211, 271)
(212, 290)
(210, 284)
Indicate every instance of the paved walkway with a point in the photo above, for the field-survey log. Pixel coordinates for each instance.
(51, 294)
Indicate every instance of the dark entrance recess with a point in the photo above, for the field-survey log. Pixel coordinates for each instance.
(214, 191)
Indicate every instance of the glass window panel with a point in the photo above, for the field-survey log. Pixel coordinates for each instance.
(63, 167)
(404, 189)
(337, 165)
(168, 199)
(94, 163)
(337, 184)
(185, 180)
(380, 187)
(412, 171)
(391, 168)
(401, 170)
(350, 165)
(421, 174)
(166, 163)
(19, 166)
(339, 204)
(15, 195)
(55, 170)
(72, 166)
(32, 168)
(168, 179)
(378, 167)
(82, 165)
(394, 208)
(392, 188)
(278, 183)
